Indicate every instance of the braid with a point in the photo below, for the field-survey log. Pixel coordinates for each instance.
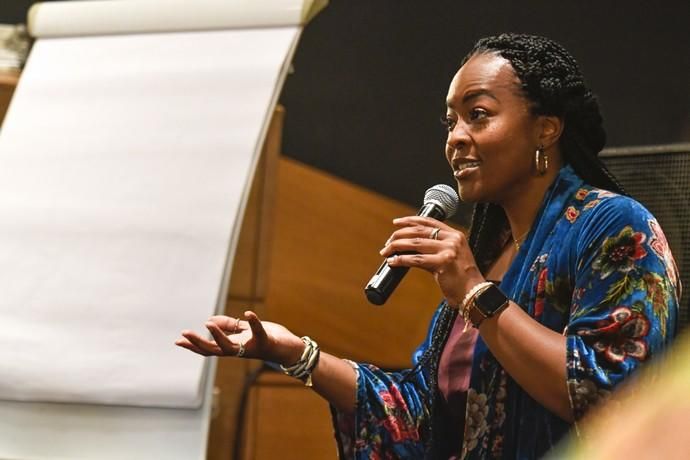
(488, 233)
(430, 360)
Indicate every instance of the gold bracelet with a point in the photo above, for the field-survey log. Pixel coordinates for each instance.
(468, 301)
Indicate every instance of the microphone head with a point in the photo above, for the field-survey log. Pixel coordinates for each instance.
(443, 196)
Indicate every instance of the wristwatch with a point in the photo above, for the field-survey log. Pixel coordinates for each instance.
(487, 303)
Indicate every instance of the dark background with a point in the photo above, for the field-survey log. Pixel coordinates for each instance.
(370, 77)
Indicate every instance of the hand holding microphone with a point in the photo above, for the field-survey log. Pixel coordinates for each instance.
(440, 203)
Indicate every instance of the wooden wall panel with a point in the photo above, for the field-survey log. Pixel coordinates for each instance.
(325, 248)
(286, 421)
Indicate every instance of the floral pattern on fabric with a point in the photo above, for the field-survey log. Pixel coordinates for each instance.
(660, 247)
(476, 423)
(620, 335)
(595, 267)
(620, 253)
(572, 214)
(390, 417)
(582, 194)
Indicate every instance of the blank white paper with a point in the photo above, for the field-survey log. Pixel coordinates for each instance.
(124, 165)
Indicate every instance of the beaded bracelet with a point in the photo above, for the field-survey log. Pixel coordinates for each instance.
(303, 368)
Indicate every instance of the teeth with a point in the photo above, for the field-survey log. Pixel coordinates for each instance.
(468, 165)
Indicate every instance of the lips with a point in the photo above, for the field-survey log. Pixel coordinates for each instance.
(464, 168)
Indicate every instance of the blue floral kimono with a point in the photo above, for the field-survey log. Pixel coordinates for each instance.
(597, 268)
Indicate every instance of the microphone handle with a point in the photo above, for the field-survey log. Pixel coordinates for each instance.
(387, 278)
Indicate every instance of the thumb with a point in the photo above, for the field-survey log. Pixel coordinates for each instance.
(257, 328)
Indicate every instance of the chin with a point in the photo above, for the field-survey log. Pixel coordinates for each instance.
(473, 192)
(468, 194)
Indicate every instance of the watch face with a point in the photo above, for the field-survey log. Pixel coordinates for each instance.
(490, 300)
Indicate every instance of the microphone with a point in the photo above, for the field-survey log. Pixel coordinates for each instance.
(440, 202)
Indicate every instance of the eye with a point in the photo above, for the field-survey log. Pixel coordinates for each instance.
(477, 114)
(448, 122)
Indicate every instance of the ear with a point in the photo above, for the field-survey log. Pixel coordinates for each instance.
(550, 129)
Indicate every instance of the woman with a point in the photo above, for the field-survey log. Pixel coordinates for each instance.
(564, 287)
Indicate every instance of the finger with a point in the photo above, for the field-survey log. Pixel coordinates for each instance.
(419, 238)
(420, 230)
(202, 343)
(411, 231)
(184, 343)
(228, 324)
(221, 339)
(439, 233)
(417, 232)
(419, 220)
(257, 328)
(411, 246)
(429, 262)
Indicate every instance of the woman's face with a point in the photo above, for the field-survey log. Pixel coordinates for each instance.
(492, 136)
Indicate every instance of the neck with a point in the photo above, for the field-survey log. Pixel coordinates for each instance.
(522, 206)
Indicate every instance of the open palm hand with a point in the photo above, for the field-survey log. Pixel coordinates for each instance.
(249, 338)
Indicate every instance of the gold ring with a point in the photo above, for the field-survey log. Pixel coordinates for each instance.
(237, 326)
(434, 233)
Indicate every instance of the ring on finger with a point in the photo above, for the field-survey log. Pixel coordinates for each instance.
(241, 351)
(237, 326)
(434, 233)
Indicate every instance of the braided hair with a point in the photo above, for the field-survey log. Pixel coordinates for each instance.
(552, 84)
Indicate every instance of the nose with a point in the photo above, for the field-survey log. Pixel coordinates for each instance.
(458, 138)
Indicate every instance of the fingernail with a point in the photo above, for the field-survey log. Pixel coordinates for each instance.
(382, 251)
(391, 260)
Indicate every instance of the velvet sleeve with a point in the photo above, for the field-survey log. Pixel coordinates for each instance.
(625, 298)
(391, 414)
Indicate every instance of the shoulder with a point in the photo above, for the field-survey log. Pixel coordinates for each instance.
(600, 212)
(618, 229)
(599, 218)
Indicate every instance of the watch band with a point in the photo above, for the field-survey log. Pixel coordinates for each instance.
(487, 303)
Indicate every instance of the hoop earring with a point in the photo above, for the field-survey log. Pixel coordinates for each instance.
(541, 161)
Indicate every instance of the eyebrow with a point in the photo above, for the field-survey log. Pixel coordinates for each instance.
(474, 94)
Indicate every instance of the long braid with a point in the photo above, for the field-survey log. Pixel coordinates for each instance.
(488, 238)
(438, 342)
(430, 360)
